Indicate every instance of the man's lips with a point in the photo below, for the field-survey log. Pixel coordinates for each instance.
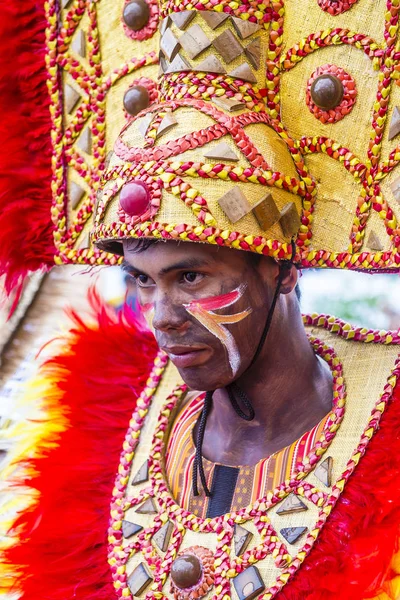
(187, 356)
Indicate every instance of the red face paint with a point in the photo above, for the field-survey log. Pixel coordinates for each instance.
(146, 307)
(202, 310)
(217, 302)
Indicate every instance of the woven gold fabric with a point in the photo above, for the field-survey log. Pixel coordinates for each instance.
(336, 167)
(367, 369)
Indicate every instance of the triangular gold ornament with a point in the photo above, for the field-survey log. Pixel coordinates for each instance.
(166, 124)
(245, 28)
(324, 471)
(78, 44)
(292, 534)
(142, 475)
(243, 72)
(394, 128)
(182, 19)
(291, 504)
(162, 537)
(213, 19)
(221, 152)
(129, 529)
(241, 539)
(374, 242)
(178, 64)
(147, 508)
(211, 64)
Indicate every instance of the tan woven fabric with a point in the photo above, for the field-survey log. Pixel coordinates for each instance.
(366, 370)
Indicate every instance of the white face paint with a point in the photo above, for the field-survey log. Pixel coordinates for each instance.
(203, 310)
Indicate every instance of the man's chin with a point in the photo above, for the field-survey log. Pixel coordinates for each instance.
(202, 378)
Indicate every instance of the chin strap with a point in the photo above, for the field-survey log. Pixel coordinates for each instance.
(235, 393)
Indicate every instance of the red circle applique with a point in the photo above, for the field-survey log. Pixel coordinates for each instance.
(348, 99)
(336, 7)
(148, 207)
(134, 198)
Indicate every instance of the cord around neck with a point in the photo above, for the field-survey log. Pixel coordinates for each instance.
(234, 393)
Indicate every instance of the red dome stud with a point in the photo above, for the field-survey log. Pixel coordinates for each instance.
(135, 198)
(192, 573)
(186, 571)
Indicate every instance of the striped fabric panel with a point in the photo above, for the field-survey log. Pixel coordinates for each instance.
(253, 481)
(278, 467)
(180, 451)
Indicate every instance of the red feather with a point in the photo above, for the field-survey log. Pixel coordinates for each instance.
(26, 242)
(65, 537)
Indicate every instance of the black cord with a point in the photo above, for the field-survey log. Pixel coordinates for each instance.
(282, 272)
(234, 390)
(198, 459)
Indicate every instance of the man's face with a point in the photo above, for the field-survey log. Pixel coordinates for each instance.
(207, 306)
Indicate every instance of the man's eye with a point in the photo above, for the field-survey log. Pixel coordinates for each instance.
(143, 280)
(192, 277)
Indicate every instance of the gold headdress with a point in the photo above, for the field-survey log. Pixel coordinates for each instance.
(267, 127)
(245, 125)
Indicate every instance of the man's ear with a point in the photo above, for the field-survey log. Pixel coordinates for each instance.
(269, 268)
(290, 278)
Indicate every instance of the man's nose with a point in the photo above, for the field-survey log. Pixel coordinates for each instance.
(169, 315)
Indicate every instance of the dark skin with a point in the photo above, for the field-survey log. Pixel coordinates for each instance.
(289, 386)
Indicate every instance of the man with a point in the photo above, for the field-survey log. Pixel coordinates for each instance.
(211, 350)
(262, 458)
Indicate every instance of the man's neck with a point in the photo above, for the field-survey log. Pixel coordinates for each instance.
(290, 389)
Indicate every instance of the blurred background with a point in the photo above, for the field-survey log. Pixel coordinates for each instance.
(372, 301)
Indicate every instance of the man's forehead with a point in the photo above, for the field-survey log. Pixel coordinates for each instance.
(163, 256)
(174, 249)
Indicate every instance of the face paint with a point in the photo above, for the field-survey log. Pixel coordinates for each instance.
(202, 310)
(147, 311)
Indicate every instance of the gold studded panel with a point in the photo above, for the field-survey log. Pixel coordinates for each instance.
(267, 542)
(96, 62)
(232, 102)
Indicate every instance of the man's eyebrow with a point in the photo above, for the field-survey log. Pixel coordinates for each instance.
(190, 263)
(128, 268)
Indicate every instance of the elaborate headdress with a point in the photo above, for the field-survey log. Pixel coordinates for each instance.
(253, 124)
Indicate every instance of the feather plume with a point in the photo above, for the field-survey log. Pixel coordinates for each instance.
(94, 384)
(26, 242)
